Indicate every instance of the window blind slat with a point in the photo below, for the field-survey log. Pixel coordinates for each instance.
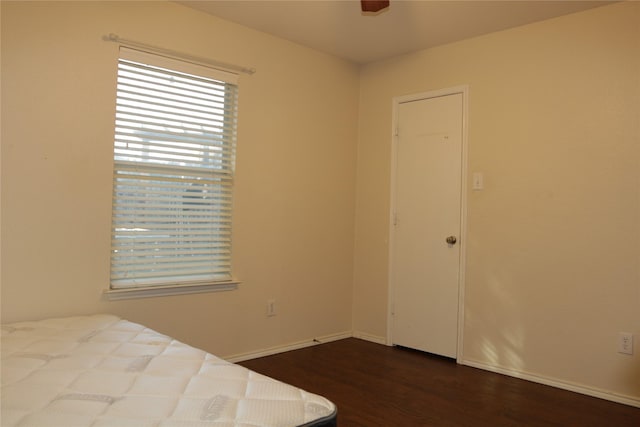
(209, 92)
(161, 118)
(156, 172)
(175, 110)
(159, 96)
(171, 252)
(149, 150)
(160, 262)
(130, 129)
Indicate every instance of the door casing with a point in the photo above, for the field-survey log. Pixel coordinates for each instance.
(464, 90)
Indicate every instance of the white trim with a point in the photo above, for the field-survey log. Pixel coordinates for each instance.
(369, 337)
(564, 385)
(392, 220)
(553, 382)
(464, 90)
(235, 358)
(463, 221)
(161, 291)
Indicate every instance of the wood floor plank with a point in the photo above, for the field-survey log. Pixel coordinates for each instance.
(375, 385)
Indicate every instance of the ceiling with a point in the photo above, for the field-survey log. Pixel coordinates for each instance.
(339, 27)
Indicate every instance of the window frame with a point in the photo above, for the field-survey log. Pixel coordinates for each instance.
(172, 286)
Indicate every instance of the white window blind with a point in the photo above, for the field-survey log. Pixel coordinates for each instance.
(174, 156)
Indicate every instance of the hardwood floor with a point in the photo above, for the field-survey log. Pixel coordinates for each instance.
(376, 385)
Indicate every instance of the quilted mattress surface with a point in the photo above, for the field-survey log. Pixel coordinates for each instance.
(104, 371)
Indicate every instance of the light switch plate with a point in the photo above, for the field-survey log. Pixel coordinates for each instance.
(478, 181)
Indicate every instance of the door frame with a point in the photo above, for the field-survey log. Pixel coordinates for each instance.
(464, 90)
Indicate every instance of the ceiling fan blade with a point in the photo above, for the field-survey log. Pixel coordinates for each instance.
(374, 5)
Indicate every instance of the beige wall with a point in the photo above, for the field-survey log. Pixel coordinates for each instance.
(293, 235)
(553, 247)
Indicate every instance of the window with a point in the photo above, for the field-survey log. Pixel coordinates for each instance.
(174, 154)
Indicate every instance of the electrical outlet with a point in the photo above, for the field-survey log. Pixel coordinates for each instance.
(271, 307)
(625, 343)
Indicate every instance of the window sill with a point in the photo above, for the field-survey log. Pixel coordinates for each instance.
(168, 290)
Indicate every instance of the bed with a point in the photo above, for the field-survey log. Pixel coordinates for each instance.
(105, 371)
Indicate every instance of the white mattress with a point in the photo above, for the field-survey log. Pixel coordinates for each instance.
(103, 371)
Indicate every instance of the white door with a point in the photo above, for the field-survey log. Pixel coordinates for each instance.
(426, 256)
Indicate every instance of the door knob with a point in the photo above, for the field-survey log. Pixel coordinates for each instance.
(451, 240)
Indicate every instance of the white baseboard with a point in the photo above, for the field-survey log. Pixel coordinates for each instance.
(368, 337)
(288, 347)
(565, 385)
